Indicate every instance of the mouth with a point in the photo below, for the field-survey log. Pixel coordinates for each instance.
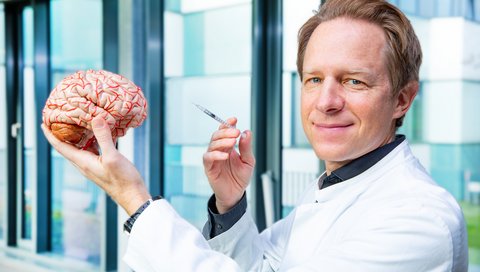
(332, 130)
(331, 126)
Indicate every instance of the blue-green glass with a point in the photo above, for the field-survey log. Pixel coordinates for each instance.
(194, 60)
(76, 34)
(28, 36)
(208, 56)
(454, 166)
(476, 6)
(300, 165)
(28, 125)
(427, 8)
(3, 153)
(173, 6)
(408, 6)
(3, 132)
(2, 37)
(77, 207)
(444, 8)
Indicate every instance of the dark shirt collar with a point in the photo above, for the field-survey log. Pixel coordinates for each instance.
(360, 164)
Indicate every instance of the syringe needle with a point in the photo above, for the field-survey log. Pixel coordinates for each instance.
(209, 113)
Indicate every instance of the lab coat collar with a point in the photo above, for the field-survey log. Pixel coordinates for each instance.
(361, 181)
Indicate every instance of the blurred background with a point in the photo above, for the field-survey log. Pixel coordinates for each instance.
(234, 57)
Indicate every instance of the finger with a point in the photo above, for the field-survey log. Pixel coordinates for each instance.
(222, 144)
(210, 157)
(245, 148)
(225, 133)
(103, 134)
(68, 151)
(232, 121)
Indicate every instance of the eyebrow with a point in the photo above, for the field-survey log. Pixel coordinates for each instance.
(363, 72)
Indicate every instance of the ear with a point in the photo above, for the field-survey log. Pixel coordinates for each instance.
(405, 98)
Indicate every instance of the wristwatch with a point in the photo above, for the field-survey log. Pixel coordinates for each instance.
(128, 225)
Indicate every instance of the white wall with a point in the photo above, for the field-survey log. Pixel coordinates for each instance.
(196, 6)
(174, 44)
(451, 80)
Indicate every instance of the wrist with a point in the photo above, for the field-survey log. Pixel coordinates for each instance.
(223, 207)
(131, 199)
(128, 225)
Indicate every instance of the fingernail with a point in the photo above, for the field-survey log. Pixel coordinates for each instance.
(243, 135)
(97, 122)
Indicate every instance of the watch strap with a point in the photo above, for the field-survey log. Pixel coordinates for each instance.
(128, 225)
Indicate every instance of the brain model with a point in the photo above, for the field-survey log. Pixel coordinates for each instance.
(79, 97)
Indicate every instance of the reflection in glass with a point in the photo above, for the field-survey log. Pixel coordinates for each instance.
(2, 37)
(208, 62)
(3, 132)
(77, 207)
(300, 164)
(448, 142)
(28, 126)
(3, 149)
(77, 210)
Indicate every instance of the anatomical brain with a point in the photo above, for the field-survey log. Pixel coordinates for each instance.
(79, 97)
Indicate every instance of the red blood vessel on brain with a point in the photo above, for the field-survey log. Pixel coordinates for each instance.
(79, 97)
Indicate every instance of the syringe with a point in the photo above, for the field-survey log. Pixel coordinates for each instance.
(209, 113)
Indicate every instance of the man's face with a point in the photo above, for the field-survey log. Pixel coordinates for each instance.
(347, 107)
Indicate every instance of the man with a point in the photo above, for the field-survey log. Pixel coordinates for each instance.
(374, 209)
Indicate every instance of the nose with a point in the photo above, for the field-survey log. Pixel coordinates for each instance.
(330, 97)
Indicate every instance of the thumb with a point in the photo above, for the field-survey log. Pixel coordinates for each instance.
(103, 135)
(245, 148)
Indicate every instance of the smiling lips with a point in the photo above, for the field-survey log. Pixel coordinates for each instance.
(331, 128)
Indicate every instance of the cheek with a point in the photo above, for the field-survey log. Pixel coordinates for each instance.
(304, 106)
(369, 106)
(376, 114)
(305, 110)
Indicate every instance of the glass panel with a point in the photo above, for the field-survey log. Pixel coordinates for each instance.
(408, 6)
(300, 164)
(3, 131)
(447, 143)
(426, 8)
(77, 208)
(2, 37)
(476, 10)
(28, 126)
(3, 153)
(214, 74)
(444, 8)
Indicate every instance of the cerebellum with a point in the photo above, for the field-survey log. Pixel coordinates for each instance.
(80, 97)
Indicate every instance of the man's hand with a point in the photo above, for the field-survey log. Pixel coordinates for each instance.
(228, 171)
(114, 173)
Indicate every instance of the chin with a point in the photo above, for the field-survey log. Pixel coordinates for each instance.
(330, 153)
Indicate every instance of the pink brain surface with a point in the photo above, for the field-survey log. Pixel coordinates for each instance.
(79, 97)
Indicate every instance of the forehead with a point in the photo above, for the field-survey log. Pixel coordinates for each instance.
(344, 41)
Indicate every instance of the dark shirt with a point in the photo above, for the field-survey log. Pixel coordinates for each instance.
(219, 223)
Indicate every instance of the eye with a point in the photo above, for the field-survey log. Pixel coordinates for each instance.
(355, 84)
(310, 82)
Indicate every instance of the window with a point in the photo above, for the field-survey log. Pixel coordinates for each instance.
(208, 62)
(300, 164)
(78, 207)
(28, 129)
(3, 130)
(447, 141)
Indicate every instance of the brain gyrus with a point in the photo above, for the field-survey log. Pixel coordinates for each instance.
(80, 97)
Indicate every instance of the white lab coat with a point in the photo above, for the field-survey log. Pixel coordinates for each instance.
(392, 217)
